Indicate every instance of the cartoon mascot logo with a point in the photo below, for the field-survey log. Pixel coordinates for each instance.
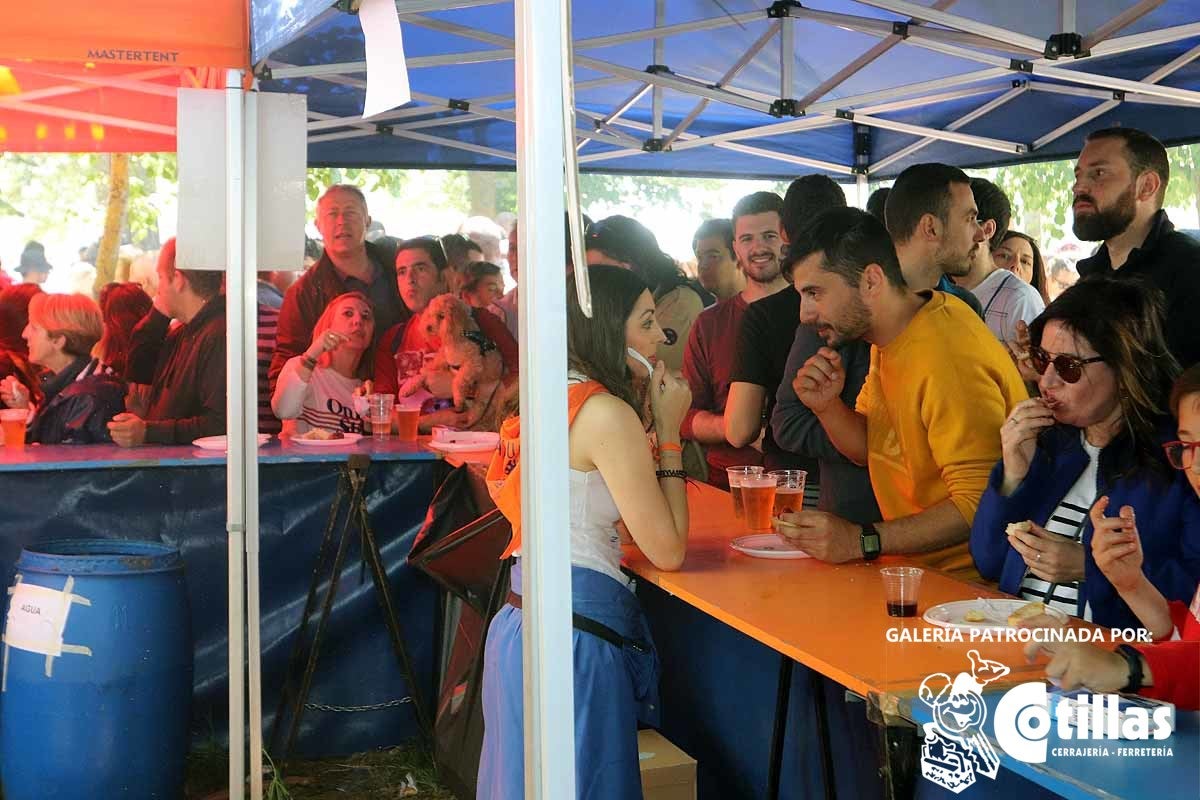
(955, 750)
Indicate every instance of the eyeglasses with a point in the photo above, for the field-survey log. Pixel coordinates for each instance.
(1182, 455)
(1069, 368)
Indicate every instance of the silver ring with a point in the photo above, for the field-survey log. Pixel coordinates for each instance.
(1039, 557)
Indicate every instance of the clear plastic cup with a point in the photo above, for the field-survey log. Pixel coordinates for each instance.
(379, 412)
(13, 422)
(735, 475)
(408, 413)
(758, 501)
(789, 490)
(901, 585)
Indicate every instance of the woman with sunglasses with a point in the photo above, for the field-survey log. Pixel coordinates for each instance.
(1167, 670)
(1096, 431)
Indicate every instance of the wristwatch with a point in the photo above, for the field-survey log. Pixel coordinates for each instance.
(868, 537)
(1134, 659)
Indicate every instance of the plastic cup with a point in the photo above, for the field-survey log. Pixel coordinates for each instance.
(901, 586)
(789, 490)
(758, 500)
(408, 413)
(735, 475)
(13, 422)
(379, 412)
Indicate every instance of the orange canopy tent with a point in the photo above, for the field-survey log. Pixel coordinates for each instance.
(83, 75)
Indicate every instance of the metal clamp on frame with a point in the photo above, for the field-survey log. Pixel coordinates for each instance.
(1065, 44)
(786, 108)
(782, 8)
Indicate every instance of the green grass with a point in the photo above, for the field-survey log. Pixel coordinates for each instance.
(378, 774)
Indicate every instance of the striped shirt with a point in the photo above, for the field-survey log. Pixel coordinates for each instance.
(1068, 520)
(268, 327)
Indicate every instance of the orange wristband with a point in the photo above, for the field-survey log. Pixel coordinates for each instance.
(670, 448)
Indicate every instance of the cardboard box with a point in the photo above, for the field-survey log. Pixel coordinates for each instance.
(668, 773)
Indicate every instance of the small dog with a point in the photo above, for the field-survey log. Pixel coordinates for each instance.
(471, 358)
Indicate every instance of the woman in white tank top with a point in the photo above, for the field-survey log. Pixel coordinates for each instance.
(613, 476)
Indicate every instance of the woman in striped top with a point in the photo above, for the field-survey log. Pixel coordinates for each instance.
(1097, 430)
(317, 388)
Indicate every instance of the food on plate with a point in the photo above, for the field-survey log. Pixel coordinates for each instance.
(321, 435)
(1019, 527)
(1025, 612)
(974, 615)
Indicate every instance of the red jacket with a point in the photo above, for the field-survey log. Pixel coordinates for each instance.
(1175, 665)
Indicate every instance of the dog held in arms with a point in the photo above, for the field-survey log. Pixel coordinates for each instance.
(481, 390)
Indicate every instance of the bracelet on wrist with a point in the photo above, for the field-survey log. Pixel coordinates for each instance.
(671, 473)
(309, 362)
(670, 447)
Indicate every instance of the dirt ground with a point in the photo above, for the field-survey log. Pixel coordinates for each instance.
(379, 774)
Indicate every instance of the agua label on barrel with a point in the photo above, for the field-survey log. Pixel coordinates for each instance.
(36, 618)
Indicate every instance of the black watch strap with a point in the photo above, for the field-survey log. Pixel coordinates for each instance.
(1134, 659)
(868, 539)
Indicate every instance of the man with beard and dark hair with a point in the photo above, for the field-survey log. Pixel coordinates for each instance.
(933, 220)
(709, 358)
(927, 421)
(1120, 182)
(769, 326)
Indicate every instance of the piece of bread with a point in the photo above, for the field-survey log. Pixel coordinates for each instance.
(320, 434)
(974, 615)
(1025, 612)
(1019, 527)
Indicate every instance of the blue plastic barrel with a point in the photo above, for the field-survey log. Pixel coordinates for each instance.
(102, 710)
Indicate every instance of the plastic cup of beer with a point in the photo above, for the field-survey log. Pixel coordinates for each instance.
(408, 413)
(13, 422)
(901, 586)
(789, 490)
(379, 410)
(758, 500)
(735, 475)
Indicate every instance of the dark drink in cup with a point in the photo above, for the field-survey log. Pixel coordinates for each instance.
(900, 588)
(902, 609)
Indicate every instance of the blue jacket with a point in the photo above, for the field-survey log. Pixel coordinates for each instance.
(1168, 520)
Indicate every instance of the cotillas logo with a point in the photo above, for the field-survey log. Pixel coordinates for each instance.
(956, 751)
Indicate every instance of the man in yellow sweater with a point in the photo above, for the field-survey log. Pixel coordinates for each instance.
(927, 423)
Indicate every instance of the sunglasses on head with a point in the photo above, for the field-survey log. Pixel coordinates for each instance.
(1182, 455)
(1069, 368)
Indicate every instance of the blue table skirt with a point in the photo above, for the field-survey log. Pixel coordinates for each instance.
(718, 705)
(185, 507)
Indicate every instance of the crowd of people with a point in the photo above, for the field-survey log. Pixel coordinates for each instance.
(951, 400)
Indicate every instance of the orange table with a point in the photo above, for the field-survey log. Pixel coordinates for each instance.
(831, 618)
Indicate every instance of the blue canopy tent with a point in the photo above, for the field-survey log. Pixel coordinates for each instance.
(699, 87)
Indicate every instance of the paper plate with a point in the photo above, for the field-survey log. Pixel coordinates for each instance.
(220, 442)
(465, 441)
(347, 438)
(767, 545)
(995, 611)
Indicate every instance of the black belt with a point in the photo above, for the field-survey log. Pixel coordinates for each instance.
(588, 625)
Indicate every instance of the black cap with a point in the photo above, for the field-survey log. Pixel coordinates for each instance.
(33, 259)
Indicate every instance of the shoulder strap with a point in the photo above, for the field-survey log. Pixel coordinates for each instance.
(999, 289)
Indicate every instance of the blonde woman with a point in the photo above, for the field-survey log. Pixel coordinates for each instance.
(79, 398)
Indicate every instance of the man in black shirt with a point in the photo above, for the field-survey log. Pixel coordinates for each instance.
(184, 367)
(768, 328)
(1120, 182)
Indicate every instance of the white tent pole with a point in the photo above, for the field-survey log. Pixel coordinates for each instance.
(729, 75)
(985, 142)
(234, 496)
(787, 57)
(1122, 20)
(959, 123)
(1067, 19)
(85, 116)
(541, 313)
(1000, 36)
(656, 99)
(864, 189)
(1108, 105)
(248, 402)
(78, 88)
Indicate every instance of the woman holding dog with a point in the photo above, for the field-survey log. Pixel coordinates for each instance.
(420, 274)
(317, 388)
(613, 476)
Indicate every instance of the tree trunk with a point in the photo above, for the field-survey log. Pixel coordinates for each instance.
(483, 193)
(114, 218)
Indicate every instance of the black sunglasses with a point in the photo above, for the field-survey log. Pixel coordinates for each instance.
(1069, 368)
(1181, 454)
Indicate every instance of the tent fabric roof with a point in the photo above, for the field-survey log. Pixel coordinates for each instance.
(951, 67)
(965, 83)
